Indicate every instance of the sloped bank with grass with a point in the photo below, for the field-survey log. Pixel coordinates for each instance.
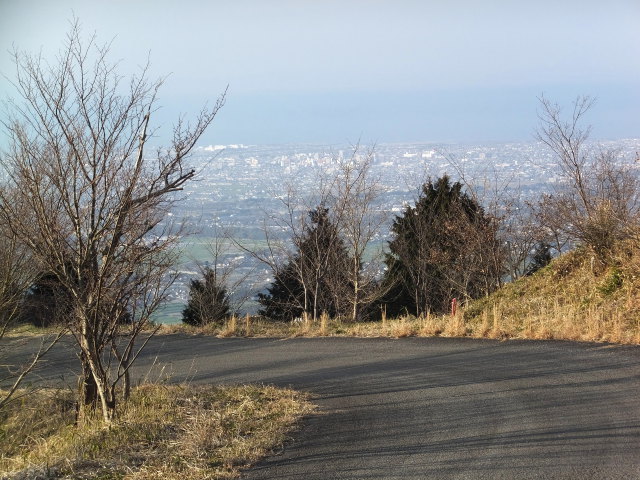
(576, 297)
(163, 432)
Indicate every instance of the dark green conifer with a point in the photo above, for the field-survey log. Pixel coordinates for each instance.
(47, 302)
(208, 300)
(314, 279)
(443, 247)
(541, 258)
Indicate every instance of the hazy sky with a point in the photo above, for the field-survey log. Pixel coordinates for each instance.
(331, 72)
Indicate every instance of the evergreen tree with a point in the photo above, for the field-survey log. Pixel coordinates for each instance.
(315, 278)
(208, 300)
(284, 299)
(541, 258)
(47, 302)
(444, 247)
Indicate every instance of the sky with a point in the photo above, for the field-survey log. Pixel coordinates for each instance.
(336, 72)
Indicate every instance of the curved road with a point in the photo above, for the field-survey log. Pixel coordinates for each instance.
(427, 408)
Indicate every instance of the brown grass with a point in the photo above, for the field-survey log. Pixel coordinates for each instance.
(576, 298)
(26, 330)
(168, 432)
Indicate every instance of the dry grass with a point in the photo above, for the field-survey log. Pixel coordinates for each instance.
(574, 298)
(168, 432)
(27, 329)
(405, 326)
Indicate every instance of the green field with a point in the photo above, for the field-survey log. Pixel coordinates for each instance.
(200, 249)
(168, 313)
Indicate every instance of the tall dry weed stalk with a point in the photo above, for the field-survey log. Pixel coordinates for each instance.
(484, 325)
(324, 323)
(496, 329)
(455, 326)
(247, 325)
(402, 328)
(230, 327)
(430, 325)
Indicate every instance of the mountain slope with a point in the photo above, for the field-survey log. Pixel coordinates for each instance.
(576, 297)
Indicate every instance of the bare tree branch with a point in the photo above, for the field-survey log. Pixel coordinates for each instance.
(95, 200)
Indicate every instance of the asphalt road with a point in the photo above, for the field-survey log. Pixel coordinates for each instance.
(427, 408)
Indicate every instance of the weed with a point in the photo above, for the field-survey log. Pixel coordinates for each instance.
(169, 432)
(611, 283)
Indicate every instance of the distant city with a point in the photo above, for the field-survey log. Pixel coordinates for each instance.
(240, 186)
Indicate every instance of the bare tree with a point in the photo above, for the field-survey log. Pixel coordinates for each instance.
(17, 274)
(480, 264)
(355, 195)
(523, 239)
(223, 257)
(327, 263)
(96, 199)
(307, 263)
(598, 201)
(281, 257)
(517, 233)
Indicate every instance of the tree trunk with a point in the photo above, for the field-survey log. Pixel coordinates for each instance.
(356, 301)
(87, 384)
(106, 393)
(96, 378)
(126, 386)
(356, 289)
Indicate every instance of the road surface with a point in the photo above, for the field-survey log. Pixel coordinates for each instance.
(426, 408)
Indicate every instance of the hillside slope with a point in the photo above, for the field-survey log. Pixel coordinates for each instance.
(576, 297)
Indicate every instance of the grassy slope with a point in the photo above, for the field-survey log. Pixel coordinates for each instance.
(576, 297)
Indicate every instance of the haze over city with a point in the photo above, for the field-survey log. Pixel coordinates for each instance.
(335, 72)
